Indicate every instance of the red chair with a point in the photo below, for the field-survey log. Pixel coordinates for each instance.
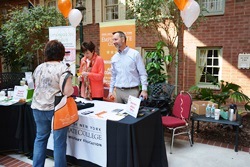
(179, 117)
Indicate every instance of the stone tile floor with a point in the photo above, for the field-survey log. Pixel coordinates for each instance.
(203, 153)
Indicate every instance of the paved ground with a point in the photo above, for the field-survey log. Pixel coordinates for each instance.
(204, 155)
(199, 155)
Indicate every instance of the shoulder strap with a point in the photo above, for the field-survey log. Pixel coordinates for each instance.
(65, 79)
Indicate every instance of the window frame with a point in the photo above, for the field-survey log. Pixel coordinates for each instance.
(100, 11)
(84, 13)
(198, 67)
(205, 11)
(47, 2)
(105, 6)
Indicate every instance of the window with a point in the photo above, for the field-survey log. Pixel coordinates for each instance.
(208, 66)
(84, 16)
(87, 14)
(110, 10)
(51, 3)
(212, 7)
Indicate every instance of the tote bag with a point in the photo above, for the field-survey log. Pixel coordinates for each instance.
(66, 112)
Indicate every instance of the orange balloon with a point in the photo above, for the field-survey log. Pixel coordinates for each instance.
(65, 7)
(180, 4)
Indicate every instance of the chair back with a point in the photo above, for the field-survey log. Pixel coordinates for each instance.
(76, 91)
(182, 105)
(161, 90)
(10, 79)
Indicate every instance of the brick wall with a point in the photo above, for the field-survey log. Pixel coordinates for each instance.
(232, 32)
(92, 33)
(146, 38)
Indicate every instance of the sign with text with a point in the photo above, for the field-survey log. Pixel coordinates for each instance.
(20, 92)
(86, 140)
(107, 48)
(133, 105)
(67, 36)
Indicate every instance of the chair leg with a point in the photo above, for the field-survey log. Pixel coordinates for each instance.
(189, 137)
(172, 141)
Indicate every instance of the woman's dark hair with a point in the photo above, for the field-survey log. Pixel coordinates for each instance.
(88, 46)
(54, 51)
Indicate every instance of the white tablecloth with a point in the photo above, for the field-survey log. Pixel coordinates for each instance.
(87, 138)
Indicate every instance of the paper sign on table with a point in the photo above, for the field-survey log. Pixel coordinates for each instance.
(133, 105)
(20, 92)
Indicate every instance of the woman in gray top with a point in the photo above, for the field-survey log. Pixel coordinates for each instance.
(48, 78)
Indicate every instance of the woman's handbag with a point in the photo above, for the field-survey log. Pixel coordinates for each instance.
(66, 112)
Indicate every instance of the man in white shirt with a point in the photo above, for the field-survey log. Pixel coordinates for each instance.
(127, 71)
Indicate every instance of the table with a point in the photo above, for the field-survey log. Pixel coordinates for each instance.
(10, 121)
(17, 128)
(137, 142)
(203, 118)
(133, 142)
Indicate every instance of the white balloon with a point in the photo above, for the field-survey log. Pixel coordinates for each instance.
(190, 13)
(75, 17)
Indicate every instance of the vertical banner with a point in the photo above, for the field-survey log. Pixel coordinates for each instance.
(67, 36)
(107, 49)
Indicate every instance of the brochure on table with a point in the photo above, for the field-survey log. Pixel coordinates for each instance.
(103, 110)
(133, 105)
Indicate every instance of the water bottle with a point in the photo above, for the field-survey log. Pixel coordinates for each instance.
(232, 112)
(212, 111)
(208, 111)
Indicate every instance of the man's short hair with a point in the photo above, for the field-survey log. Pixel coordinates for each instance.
(121, 34)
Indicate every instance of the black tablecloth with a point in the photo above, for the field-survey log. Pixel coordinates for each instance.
(133, 142)
(10, 122)
(137, 142)
(29, 130)
(17, 128)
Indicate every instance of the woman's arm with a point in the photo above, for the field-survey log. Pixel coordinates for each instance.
(68, 89)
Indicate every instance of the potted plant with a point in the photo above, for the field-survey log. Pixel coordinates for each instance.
(159, 92)
(156, 61)
(228, 91)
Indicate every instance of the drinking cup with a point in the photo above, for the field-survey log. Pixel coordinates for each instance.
(217, 114)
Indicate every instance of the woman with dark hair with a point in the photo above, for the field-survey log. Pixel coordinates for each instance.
(91, 73)
(48, 78)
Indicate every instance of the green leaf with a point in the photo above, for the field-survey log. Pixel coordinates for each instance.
(30, 31)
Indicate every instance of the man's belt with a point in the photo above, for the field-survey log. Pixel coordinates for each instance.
(135, 87)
